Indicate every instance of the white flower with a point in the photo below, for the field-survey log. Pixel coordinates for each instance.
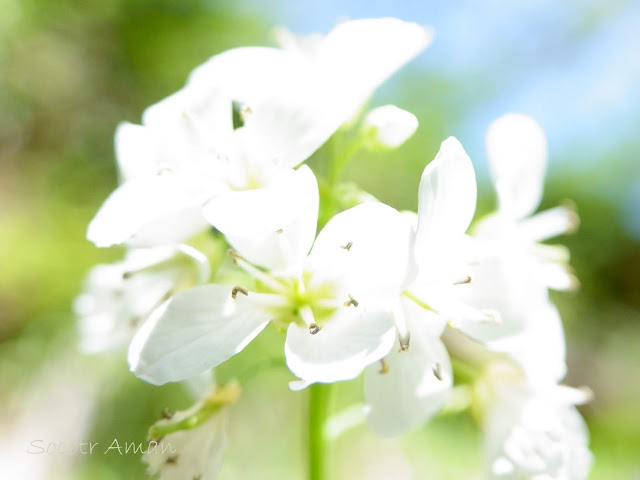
(416, 377)
(192, 442)
(390, 126)
(117, 298)
(517, 152)
(533, 432)
(189, 160)
(513, 270)
(335, 303)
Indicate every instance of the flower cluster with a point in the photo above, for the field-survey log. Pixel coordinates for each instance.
(402, 298)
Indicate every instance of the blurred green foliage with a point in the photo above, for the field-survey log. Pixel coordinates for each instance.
(70, 71)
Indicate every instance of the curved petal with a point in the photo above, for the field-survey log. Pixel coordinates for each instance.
(367, 249)
(274, 226)
(446, 199)
(416, 384)
(351, 340)
(147, 211)
(196, 330)
(517, 152)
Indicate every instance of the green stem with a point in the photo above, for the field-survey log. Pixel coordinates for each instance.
(340, 161)
(319, 407)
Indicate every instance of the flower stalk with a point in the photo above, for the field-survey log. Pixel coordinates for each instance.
(319, 409)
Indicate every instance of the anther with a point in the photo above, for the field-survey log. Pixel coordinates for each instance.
(350, 302)
(574, 219)
(234, 255)
(171, 460)
(280, 231)
(437, 371)
(314, 328)
(384, 367)
(491, 317)
(463, 281)
(347, 247)
(164, 171)
(167, 414)
(245, 111)
(236, 289)
(197, 477)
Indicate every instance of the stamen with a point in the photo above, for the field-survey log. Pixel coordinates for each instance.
(236, 289)
(463, 281)
(384, 367)
(351, 301)
(269, 300)
(348, 246)
(437, 371)
(307, 316)
(314, 328)
(256, 272)
(167, 414)
(404, 342)
(417, 301)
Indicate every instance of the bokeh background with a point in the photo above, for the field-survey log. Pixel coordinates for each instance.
(71, 70)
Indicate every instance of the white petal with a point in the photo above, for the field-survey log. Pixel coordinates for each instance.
(392, 125)
(539, 349)
(199, 329)
(154, 210)
(344, 346)
(410, 392)
(136, 151)
(367, 248)
(265, 209)
(517, 152)
(446, 200)
(550, 223)
(274, 226)
(360, 55)
(194, 125)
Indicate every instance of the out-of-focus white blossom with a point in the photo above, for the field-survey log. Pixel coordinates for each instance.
(389, 126)
(192, 442)
(532, 432)
(118, 298)
(517, 152)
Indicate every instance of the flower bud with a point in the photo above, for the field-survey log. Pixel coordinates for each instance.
(389, 126)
